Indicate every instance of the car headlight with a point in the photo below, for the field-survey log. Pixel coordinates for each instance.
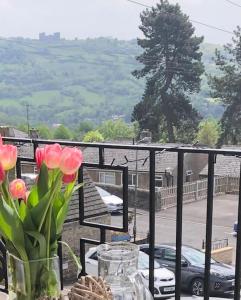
(147, 277)
(218, 275)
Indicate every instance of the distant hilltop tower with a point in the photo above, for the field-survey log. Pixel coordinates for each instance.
(49, 38)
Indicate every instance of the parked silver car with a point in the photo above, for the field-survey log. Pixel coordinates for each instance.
(113, 203)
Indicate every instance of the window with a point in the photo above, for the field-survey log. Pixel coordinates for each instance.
(189, 175)
(132, 180)
(169, 255)
(94, 256)
(107, 177)
(159, 180)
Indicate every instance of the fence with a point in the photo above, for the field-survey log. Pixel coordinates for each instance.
(197, 190)
(216, 244)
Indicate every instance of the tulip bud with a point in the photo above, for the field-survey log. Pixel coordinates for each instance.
(17, 189)
(2, 174)
(39, 155)
(8, 156)
(69, 178)
(71, 160)
(52, 155)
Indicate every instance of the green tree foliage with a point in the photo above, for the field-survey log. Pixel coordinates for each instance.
(227, 88)
(118, 129)
(172, 68)
(93, 136)
(44, 132)
(62, 133)
(86, 126)
(209, 132)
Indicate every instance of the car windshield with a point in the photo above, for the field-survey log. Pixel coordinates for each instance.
(102, 192)
(195, 257)
(143, 262)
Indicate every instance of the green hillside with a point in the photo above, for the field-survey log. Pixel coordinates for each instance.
(71, 81)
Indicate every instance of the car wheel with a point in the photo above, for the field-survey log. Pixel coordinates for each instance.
(197, 287)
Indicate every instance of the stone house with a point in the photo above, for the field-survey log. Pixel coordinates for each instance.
(166, 167)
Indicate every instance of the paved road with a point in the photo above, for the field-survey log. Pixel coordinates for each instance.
(194, 221)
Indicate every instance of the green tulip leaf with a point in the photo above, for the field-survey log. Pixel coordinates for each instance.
(11, 228)
(75, 258)
(41, 241)
(22, 210)
(43, 181)
(33, 199)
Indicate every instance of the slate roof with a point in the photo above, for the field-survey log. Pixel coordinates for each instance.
(92, 201)
(225, 165)
(163, 161)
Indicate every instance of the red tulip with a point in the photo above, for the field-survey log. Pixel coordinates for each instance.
(71, 160)
(39, 154)
(2, 174)
(17, 189)
(52, 155)
(69, 178)
(8, 156)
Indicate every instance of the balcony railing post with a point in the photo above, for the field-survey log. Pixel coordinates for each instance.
(238, 248)
(179, 224)
(209, 222)
(152, 221)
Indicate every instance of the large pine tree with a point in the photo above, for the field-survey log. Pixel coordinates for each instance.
(172, 69)
(227, 88)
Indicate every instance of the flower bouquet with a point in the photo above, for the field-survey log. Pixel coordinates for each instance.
(31, 221)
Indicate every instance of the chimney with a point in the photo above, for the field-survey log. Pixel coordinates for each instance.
(6, 131)
(146, 134)
(33, 133)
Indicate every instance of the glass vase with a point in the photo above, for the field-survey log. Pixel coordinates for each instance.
(118, 265)
(33, 279)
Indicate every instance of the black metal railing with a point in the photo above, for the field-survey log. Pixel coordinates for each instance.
(152, 152)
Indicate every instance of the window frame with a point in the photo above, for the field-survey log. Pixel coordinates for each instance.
(105, 175)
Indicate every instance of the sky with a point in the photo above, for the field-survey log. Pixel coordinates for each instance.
(108, 18)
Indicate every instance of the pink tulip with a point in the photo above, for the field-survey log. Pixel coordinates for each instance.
(17, 189)
(71, 160)
(39, 154)
(8, 156)
(52, 155)
(2, 174)
(69, 178)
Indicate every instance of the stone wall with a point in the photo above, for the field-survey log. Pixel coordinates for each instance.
(224, 255)
(72, 233)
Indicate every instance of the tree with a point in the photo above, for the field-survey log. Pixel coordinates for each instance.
(62, 133)
(44, 132)
(172, 68)
(209, 132)
(113, 130)
(227, 88)
(93, 136)
(86, 126)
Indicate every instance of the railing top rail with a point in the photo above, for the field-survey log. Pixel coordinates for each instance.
(184, 149)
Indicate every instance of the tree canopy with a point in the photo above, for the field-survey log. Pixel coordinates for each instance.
(209, 132)
(118, 129)
(227, 88)
(172, 69)
(93, 136)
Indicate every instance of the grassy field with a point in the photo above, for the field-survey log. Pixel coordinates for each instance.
(71, 81)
